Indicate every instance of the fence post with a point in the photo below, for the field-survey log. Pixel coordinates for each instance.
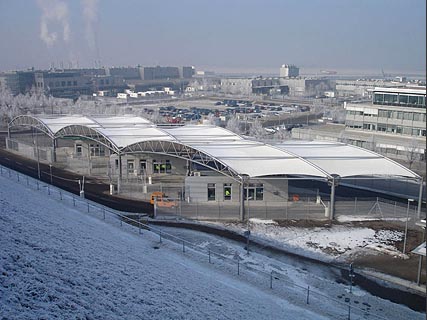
(308, 295)
(103, 213)
(1, 170)
(60, 195)
(238, 267)
(209, 255)
(265, 205)
(28, 182)
(286, 209)
(271, 279)
(183, 246)
(48, 190)
(74, 201)
(17, 175)
(349, 312)
(88, 207)
(355, 205)
(160, 234)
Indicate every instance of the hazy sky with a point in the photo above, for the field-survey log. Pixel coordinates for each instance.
(219, 35)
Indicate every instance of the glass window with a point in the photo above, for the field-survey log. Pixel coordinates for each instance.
(407, 130)
(211, 192)
(69, 83)
(417, 117)
(75, 83)
(416, 132)
(97, 150)
(403, 99)
(254, 192)
(413, 100)
(63, 83)
(382, 113)
(156, 166)
(143, 165)
(168, 166)
(399, 130)
(407, 116)
(163, 166)
(79, 149)
(227, 191)
(131, 166)
(391, 128)
(116, 163)
(382, 127)
(378, 98)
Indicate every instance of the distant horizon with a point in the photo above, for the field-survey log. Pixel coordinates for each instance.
(226, 36)
(269, 72)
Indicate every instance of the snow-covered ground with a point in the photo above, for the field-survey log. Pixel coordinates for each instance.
(337, 243)
(59, 262)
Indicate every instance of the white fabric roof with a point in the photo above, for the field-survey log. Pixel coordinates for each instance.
(345, 160)
(123, 137)
(252, 158)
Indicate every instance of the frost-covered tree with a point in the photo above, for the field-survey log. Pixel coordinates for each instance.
(210, 119)
(256, 130)
(233, 124)
(282, 134)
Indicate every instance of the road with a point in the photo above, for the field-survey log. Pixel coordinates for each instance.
(94, 189)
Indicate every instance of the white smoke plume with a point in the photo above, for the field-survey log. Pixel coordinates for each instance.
(90, 15)
(55, 11)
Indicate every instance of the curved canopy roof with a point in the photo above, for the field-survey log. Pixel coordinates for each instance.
(211, 144)
(346, 160)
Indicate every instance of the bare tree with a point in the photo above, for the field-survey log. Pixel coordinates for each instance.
(412, 152)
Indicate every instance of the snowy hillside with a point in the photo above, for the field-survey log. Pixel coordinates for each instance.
(59, 262)
(56, 262)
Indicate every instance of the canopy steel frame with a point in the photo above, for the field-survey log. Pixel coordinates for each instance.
(87, 133)
(182, 151)
(31, 121)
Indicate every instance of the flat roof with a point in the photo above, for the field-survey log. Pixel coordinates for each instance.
(420, 91)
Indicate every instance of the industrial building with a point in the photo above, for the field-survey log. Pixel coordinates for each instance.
(71, 83)
(289, 71)
(294, 87)
(212, 164)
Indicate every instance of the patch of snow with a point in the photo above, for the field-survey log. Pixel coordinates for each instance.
(260, 221)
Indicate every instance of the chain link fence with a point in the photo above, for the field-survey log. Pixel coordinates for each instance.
(275, 279)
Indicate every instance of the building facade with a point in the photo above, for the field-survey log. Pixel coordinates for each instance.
(393, 111)
(289, 71)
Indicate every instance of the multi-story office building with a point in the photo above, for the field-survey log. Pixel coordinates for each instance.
(393, 111)
(63, 84)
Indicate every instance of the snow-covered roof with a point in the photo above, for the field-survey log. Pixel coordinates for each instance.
(241, 156)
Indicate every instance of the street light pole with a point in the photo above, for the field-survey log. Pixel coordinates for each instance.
(406, 225)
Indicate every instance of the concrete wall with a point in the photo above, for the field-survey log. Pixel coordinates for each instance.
(196, 188)
(178, 166)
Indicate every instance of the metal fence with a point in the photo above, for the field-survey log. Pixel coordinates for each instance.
(274, 280)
